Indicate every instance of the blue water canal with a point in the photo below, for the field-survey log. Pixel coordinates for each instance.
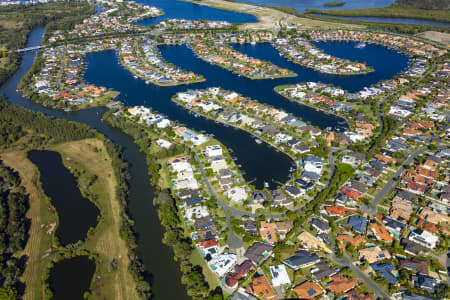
(193, 11)
(302, 5)
(258, 161)
(105, 70)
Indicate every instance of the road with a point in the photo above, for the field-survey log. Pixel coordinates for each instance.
(346, 262)
(391, 182)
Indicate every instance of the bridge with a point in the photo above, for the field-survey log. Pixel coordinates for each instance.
(30, 49)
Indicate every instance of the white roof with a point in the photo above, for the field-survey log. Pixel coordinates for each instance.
(279, 275)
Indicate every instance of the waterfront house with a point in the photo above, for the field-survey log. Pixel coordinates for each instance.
(223, 263)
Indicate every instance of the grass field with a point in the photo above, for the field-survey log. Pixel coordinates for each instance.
(43, 223)
(104, 240)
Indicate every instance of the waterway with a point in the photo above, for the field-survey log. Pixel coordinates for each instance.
(174, 9)
(158, 259)
(71, 278)
(302, 5)
(389, 20)
(76, 214)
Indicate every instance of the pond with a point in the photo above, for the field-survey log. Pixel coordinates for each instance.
(71, 278)
(76, 214)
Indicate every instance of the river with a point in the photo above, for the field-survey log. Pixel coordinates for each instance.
(157, 258)
(389, 20)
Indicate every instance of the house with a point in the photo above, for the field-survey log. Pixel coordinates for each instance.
(320, 225)
(394, 227)
(237, 194)
(313, 164)
(192, 201)
(310, 242)
(258, 252)
(423, 238)
(251, 227)
(374, 254)
(280, 199)
(223, 263)
(240, 271)
(208, 248)
(241, 294)
(385, 270)
(322, 270)
(308, 290)
(357, 223)
(355, 240)
(380, 232)
(339, 211)
(279, 275)
(267, 232)
(301, 259)
(294, 191)
(355, 295)
(353, 158)
(283, 228)
(425, 282)
(339, 284)
(259, 197)
(213, 150)
(412, 247)
(260, 287)
(416, 265)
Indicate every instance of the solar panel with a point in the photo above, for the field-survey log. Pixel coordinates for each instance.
(311, 292)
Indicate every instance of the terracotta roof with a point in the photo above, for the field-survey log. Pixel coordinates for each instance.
(267, 231)
(261, 287)
(356, 240)
(340, 284)
(355, 295)
(308, 290)
(381, 232)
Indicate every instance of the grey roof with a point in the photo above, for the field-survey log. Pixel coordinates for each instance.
(320, 224)
(241, 296)
(300, 259)
(256, 251)
(412, 247)
(322, 270)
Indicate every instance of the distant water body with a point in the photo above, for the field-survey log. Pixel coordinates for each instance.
(174, 9)
(302, 5)
(391, 20)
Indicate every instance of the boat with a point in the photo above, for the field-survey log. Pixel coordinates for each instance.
(258, 141)
(253, 43)
(361, 45)
(147, 82)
